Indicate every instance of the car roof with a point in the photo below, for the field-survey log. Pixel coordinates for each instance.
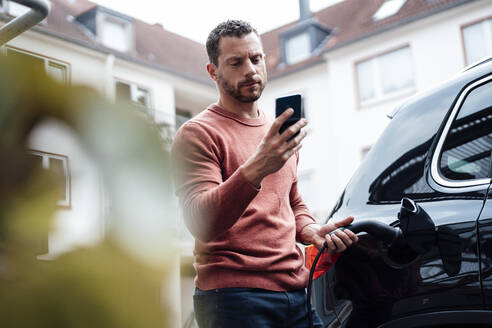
(478, 63)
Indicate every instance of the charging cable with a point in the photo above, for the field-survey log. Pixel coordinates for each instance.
(381, 231)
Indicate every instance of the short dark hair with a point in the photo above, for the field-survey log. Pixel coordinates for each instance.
(235, 28)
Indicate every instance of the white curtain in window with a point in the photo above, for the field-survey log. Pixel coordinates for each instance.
(365, 77)
(475, 42)
(114, 35)
(396, 70)
(298, 48)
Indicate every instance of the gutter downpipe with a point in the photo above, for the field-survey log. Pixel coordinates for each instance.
(109, 82)
(39, 11)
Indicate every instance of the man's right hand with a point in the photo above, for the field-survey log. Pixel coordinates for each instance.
(274, 149)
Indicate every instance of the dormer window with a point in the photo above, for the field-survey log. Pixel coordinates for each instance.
(303, 40)
(297, 48)
(388, 8)
(112, 29)
(116, 33)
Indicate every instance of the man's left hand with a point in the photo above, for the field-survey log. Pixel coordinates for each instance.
(337, 242)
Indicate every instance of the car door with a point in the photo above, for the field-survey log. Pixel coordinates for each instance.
(485, 231)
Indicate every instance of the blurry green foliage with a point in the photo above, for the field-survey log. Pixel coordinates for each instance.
(104, 286)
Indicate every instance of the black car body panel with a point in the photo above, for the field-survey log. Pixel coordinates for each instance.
(385, 285)
(485, 231)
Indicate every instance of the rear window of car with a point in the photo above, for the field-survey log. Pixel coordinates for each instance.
(466, 153)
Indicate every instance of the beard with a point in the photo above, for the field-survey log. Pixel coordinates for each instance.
(236, 91)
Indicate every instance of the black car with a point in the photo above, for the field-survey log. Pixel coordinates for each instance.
(436, 151)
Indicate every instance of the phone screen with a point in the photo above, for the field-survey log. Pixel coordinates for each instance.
(294, 102)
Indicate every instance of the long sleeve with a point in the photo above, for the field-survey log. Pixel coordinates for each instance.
(244, 236)
(210, 204)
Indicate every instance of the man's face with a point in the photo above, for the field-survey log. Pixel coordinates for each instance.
(241, 71)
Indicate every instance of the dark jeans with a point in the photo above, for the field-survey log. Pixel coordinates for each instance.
(249, 307)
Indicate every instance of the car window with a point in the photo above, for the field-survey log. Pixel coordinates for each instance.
(466, 152)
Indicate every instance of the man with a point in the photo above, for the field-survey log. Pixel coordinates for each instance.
(237, 183)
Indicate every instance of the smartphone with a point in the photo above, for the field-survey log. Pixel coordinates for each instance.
(294, 102)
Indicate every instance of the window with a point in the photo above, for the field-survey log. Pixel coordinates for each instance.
(297, 48)
(477, 40)
(56, 70)
(15, 9)
(388, 8)
(467, 150)
(115, 34)
(58, 166)
(385, 75)
(23, 57)
(181, 117)
(134, 94)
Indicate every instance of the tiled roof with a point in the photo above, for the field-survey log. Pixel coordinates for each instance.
(350, 20)
(155, 46)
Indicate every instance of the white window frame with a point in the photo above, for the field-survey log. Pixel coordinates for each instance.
(133, 89)
(45, 156)
(47, 62)
(127, 28)
(50, 63)
(299, 58)
(486, 29)
(377, 79)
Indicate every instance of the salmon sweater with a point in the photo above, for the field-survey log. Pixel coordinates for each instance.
(244, 236)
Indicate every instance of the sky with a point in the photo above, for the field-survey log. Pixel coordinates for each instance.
(195, 18)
